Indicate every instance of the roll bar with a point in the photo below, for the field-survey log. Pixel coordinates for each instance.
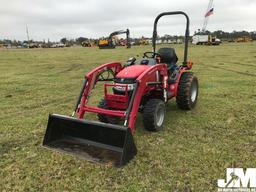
(186, 32)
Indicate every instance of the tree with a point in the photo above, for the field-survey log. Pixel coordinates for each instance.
(81, 39)
(63, 40)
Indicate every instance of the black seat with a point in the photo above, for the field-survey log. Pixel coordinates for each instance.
(168, 56)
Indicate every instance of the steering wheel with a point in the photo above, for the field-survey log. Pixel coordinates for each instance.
(151, 54)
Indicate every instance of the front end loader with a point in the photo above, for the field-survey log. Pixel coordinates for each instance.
(141, 85)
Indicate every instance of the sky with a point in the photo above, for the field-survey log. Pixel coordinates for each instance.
(54, 19)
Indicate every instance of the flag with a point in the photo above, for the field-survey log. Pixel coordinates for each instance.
(210, 12)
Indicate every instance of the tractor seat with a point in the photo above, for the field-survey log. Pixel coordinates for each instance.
(168, 56)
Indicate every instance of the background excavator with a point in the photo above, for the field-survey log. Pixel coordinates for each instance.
(110, 42)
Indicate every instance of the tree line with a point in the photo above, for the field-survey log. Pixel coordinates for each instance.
(224, 36)
(229, 35)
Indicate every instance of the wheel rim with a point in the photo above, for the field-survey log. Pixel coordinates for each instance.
(160, 117)
(193, 91)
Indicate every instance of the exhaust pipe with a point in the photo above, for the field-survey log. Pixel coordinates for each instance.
(94, 141)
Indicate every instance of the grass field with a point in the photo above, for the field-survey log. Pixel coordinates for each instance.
(192, 151)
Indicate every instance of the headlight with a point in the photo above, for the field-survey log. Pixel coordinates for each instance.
(130, 87)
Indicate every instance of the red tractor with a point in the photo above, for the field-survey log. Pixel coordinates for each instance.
(143, 85)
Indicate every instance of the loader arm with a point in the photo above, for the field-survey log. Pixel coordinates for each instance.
(91, 79)
(141, 84)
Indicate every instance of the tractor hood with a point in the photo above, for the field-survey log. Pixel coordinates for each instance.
(132, 71)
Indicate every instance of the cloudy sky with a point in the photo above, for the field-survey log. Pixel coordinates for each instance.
(54, 19)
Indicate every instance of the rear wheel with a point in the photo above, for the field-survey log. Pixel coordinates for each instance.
(187, 91)
(154, 114)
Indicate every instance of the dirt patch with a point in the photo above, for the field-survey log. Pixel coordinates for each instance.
(71, 68)
(8, 96)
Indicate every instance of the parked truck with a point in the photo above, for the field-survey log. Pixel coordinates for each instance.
(205, 40)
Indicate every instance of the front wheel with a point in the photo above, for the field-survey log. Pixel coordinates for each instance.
(187, 92)
(154, 114)
(106, 118)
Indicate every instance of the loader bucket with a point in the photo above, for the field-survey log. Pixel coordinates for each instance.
(95, 141)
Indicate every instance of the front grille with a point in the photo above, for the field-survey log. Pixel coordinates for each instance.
(124, 80)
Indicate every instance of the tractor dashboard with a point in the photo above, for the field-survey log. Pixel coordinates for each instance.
(148, 61)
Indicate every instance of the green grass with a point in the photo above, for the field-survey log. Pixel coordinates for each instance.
(192, 151)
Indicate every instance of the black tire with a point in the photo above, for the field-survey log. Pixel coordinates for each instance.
(106, 118)
(102, 117)
(154, 114)
(187, 92)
